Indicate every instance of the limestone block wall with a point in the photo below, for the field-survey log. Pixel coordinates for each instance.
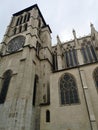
(76, 116)
(92, 90)
(18, 112)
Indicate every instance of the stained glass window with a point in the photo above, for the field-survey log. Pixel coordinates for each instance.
(71, 58)
(68, 90)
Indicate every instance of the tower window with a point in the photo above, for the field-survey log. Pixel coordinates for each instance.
(47, 116)
(28, 17)
(35, 89)
(25, 17)
(6, 81)
(25, 27)
(21, 18)
(68, 90)
(17, 23)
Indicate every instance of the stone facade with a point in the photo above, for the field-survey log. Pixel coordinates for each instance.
(32, 98)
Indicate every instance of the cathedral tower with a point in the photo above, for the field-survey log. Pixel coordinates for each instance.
(44, 87)
(24, 85)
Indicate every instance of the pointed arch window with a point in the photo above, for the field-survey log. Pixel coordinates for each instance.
(88, 52)
(21, 19)
(68, 90)
(25, 17)
(95, 74)
(17, 23)
(28, 17)
(6, 81)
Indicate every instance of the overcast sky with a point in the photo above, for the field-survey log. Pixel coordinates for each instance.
(61, 15)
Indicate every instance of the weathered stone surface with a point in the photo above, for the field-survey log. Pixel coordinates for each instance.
(35, 84)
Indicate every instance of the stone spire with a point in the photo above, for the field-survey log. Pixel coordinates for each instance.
(92, 29)
(75, 37)
(58, 40)
(59, 49)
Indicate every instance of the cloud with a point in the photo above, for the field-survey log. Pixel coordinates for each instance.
(61, 15)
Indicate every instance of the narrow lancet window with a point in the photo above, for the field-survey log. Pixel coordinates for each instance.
(25, 27)
(35, 89)
(28, 17)
(6, 81)
(21, 20)
(25, 17)
(17, 23)
(47, 116)
(71, 58)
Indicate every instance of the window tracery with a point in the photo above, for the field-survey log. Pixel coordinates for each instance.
(68, 90)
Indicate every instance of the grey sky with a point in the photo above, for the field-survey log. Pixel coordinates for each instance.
(61, 15)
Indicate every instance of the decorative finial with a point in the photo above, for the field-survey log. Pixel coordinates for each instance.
(73, 30)
(91, 24)
(58, 40)
(74, 33)
(92, 28)
(75, 37)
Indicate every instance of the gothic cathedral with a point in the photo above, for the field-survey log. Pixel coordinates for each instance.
(45, 87)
